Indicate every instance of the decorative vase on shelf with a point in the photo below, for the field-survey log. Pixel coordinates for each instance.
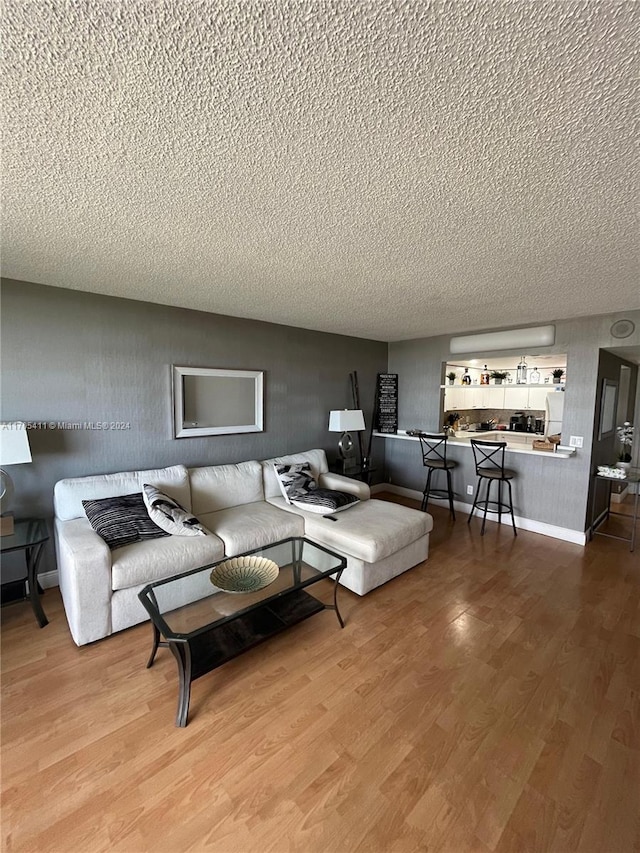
(624, 465)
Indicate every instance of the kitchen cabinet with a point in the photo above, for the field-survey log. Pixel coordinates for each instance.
(523, 397)
(492, 396)
(474, 397)
(538, 397)
(454, 398)
(512, 397)
(516, 397)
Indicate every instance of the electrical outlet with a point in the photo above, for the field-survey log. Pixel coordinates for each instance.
(469, 490)
(575, 441)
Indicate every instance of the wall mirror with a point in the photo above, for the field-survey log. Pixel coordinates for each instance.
(212, 401)
(608, 408)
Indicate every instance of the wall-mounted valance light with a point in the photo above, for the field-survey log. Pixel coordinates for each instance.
(520, 339)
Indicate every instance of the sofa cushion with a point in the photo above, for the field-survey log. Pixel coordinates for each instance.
(155, 559)
(68, 494)
(243, 528)
(169, 515)
(316, 458)
(371, 530)
(122, 520)
(217, 487)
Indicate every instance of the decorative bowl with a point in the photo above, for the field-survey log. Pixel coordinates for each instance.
(244, 574)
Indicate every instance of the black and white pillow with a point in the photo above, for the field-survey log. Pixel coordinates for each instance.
(169, 515)
(121, 520)
(325, 501)
(295, 480)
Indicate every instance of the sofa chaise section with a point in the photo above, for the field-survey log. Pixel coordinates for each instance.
(379, 539)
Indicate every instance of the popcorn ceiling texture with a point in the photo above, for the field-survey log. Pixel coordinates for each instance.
(381, 169)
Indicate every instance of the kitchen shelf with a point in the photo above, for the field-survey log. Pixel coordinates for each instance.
(505, 385)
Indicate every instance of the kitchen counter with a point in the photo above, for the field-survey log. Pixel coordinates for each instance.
(517, 442)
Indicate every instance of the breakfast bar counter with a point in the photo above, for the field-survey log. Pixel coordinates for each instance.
(538, 485)
(517, 442)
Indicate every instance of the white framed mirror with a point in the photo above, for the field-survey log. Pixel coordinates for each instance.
(608, 408)
(215, 401)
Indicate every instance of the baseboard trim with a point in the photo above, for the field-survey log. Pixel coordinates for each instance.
(576, 537)
(48, 579)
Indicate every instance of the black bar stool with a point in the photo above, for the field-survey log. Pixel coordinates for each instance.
(489, 460)
(434, 458)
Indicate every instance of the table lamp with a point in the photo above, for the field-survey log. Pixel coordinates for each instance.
(14, 450)
(346, 421)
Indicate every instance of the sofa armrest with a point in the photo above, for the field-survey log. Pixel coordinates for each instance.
(84, 572)
(339, 483)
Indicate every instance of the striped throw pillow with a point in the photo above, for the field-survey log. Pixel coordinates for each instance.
(121, 520)
(325, 501)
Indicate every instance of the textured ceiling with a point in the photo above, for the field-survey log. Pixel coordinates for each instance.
(384, 169)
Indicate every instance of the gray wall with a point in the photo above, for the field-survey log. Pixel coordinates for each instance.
(550, 491)
(73, 357)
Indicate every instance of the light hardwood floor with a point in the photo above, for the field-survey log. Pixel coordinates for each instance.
(487, 700)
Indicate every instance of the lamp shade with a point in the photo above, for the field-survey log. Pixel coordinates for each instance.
(14, 443)
(346, 420)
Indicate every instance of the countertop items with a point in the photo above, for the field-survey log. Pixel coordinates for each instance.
(614, 473)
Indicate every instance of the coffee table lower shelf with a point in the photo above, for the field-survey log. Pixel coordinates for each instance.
(204, 652)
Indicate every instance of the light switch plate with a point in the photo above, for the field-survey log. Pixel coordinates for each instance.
(575, 441)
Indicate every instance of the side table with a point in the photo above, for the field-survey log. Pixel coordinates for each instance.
(29, 535)
(356, 470)
(633, 476)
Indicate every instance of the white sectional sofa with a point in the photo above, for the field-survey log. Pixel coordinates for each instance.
(243, 508)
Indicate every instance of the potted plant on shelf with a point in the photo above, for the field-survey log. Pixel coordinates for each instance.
(498, 376)
(451, 376)
(625, 437)
(557, 374)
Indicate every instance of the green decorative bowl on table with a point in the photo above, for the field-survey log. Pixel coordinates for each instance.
(244, 574)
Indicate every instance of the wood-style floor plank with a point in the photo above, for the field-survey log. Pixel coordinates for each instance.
(488, 700)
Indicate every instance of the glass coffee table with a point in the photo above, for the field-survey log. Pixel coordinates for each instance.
(212, 614)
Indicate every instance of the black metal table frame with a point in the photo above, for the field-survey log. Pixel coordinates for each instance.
(182, 648)
(33, 555)
(595, 523)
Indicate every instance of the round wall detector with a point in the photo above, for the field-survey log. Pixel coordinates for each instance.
(623, 328)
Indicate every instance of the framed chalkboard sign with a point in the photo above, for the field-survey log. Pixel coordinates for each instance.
(387, 403)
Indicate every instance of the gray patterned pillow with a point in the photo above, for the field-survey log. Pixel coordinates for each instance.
(169, 515)
(295, 480)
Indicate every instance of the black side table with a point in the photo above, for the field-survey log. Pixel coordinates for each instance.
(355, 470)
(29, 535)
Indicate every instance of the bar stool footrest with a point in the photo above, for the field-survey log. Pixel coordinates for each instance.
(439, 494)
(500, 509)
